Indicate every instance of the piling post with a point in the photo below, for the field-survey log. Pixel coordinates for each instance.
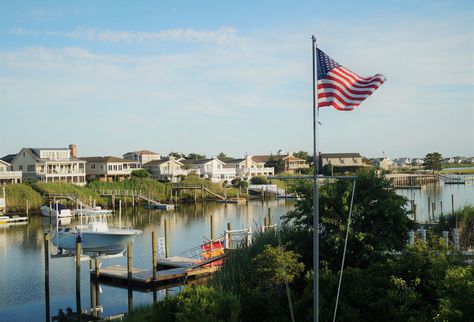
(153, 254)
(166, 237)
(97, 267)
(27, 210)
(433, 211)
(133, 198)
(212, 227)
(457, 239)
(129, 264)
(429, 206)
(229, 235)
(91, 288)
(78, 277)
(46, 275)
(446, 239)
(414, 212)
(265, 224)
(120, 214)
(269, 216)
(441, 207)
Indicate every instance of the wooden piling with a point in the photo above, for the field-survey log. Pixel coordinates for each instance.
(212, 227)
(269, 216)
(414, 212)
(91, 289)
(166, 237)
(229, 234)
(78, 278)
(441, 207)
(153, 254)
(429, 206)
(27, 210)
(46, 275)
(97, 267)
(129, 264)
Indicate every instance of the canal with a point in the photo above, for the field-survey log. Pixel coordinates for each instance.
(22, 286)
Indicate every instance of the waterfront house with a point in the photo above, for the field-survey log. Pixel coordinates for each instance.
(50, 165)
(384, 163)
(142, 156)
(248, 167)
(168, 169)
(291, 163)
(341, 160)
(7, 175)
(213, 169)
(109, 168)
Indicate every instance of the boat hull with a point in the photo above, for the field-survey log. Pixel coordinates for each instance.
(101, 243)
(47, 212)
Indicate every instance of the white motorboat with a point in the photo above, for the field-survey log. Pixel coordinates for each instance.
(92, 211)
(57, 211)
(96, 237)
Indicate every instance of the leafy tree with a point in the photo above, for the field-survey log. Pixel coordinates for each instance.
(195, 156)
(176, 155)
(379, 219)
(277, 165)
(140, 173)
(259, 180)
(303, 155)
(223, 157)
(433, 161)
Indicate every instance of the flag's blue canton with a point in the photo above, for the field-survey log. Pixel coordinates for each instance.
(325, 64)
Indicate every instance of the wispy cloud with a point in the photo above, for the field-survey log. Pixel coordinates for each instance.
(223, 35)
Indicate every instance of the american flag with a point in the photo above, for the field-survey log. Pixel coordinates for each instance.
(339, 87)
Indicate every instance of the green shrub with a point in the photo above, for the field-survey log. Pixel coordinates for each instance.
(196, 303)
(259, 180)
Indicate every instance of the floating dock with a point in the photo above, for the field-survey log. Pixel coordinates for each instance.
(12, 220)
(170, 270)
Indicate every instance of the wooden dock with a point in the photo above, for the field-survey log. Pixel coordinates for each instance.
(170, 271)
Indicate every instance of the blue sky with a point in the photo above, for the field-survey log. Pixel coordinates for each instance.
(212, 76)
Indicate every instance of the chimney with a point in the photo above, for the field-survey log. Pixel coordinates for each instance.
(73, 150)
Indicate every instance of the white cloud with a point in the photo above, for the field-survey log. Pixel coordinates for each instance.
(223, 35)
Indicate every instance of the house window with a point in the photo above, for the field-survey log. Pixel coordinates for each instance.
(20, 167)
(110, 167)
(31, 168)
(93, 166)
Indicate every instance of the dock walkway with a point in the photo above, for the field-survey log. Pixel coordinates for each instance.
(173, 269)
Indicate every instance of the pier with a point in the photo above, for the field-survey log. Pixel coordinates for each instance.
(412, 181)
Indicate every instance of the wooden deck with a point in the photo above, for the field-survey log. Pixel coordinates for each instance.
(182, 269)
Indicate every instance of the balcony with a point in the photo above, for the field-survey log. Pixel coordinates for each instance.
(9, 175)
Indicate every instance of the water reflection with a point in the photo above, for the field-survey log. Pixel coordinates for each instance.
(23, 286)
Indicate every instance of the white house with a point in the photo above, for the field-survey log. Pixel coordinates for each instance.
(142, 156)
(249, 167)
(168, 169)
(7, 175)
(50, 165)
(291, 163)
(109, 168)
(213, 169)
(385, 163)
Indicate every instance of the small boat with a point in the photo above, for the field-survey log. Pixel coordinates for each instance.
(93, 211)
(161, 206)
(14, 219)
(57, 211)
(96, 237)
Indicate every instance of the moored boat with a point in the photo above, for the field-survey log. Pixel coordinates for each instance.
(96, 237)
(57, 211)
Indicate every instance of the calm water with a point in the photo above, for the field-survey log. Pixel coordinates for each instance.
(22, 288)
(440, 194)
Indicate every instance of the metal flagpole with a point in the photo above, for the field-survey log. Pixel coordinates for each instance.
(315, 193)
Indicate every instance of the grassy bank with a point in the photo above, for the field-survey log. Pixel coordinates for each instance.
(83, 193)
(457, 171)
(17, 194)
(147, 186)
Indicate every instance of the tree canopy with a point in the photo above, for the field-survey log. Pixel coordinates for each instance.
(277, 165)
(433, 161)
